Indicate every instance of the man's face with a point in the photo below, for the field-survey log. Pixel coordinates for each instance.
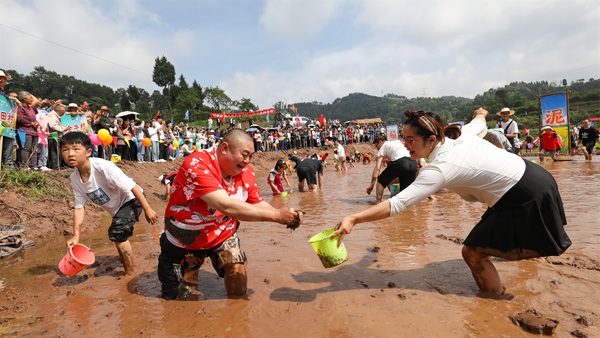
(2, 81)
(73, 111)
(236, 157)
(586, 124)
(85, 106)
(505, 115)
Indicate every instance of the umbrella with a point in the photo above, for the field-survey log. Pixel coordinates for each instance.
(126, 113)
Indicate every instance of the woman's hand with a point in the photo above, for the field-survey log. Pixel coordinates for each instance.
(343, 228)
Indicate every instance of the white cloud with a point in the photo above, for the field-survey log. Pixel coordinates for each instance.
(313, 50)
(297, 20)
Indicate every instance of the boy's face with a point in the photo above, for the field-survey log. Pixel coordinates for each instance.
(75, 155)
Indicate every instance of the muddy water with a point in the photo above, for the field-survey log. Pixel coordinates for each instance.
(404, 276)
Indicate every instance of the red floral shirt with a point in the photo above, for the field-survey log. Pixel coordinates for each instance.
(189, 221)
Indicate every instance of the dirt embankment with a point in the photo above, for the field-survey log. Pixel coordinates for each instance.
(48, 214)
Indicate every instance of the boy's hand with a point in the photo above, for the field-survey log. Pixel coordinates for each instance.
(151, 216)
(73, 241)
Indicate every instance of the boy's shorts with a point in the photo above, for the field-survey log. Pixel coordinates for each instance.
(550, 152)
(121, 227)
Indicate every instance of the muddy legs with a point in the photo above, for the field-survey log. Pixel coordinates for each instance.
(126, 255)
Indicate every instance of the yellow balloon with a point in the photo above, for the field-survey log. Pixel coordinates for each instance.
(104, 135)
(175, 143)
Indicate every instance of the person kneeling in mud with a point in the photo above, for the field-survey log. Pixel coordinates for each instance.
(167, 180)
(213, 191)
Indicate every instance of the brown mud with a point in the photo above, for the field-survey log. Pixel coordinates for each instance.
(404, 276)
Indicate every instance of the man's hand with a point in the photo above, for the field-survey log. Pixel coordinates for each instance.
(369, 189)
(298, 219)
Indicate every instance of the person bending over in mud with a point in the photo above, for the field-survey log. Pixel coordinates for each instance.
(101, 182)
(525, 216)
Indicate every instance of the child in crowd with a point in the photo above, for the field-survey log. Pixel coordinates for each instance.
(277, 176)
(185, 148)
(101, 182)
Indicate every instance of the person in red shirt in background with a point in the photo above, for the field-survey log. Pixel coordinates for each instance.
(548, 143)
(214, 189)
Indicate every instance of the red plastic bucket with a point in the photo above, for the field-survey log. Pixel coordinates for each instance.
(78, 257)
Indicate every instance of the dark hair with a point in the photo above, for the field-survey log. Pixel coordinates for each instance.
(75, 137)
(426, 124)
(280, 164)
(453, 131)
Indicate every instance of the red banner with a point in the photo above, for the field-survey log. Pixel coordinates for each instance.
(249, 113)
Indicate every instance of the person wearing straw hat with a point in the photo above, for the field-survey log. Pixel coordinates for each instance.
(548, 143)
(511, 130)
(525, 216)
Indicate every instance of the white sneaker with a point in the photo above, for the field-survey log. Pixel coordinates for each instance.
(44, 168)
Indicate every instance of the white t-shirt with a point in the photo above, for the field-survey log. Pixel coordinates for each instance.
(512, 129)
(393, 150)
(107, 186)
(340, 150)
(472, 167)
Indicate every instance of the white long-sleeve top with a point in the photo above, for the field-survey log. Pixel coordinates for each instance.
(471, 167)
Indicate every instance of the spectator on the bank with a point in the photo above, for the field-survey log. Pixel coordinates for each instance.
(56, 129)
(43, 135)
(27, 130)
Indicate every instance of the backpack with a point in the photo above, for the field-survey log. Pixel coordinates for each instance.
(559, 141)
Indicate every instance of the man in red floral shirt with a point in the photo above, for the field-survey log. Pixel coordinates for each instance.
(213, 190)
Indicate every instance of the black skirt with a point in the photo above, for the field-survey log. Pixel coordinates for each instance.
(528, 221)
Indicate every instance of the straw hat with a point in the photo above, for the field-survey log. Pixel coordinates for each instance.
(3, 74)
(511, 112)
(545, 128)
(73, 105)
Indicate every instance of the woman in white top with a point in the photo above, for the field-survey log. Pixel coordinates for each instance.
(525, 216)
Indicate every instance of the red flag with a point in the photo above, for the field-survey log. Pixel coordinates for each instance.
(223, 118)
(322, 120)
(294, 108)
(298, 121)
(157, 114)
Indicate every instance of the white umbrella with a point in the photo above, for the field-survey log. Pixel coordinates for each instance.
(125, 113)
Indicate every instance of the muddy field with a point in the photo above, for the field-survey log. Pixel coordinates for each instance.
(404, 276)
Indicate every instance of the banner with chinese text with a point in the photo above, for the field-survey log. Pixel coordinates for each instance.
(8, 117)
(555, 114)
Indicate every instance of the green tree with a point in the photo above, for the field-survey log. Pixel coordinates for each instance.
(217, 99)
(164, 75)
(246, 105)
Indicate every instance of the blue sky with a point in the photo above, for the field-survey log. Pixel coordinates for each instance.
(308, 50)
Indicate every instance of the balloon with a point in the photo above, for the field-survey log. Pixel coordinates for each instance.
(198, 145)
(175, 143)
(194, 148)
(95, 140)
(146, 142)
(275, 145)
(107, 141)
(104, 135)
(170, 147)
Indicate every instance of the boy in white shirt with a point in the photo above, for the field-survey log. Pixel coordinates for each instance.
(101, 182)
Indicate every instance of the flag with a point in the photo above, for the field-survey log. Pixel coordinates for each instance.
(157, 114)
(322, 120)
(172, 120)
(267, 118)
(298, 121)
(294, 108)
(187, 115)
